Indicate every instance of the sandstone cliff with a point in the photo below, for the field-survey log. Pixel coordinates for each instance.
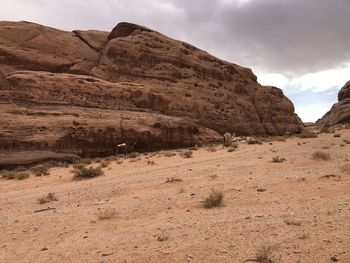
(83, 92)
(340, 112)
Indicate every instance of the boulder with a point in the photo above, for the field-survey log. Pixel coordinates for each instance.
(83, 92)
(340, 112)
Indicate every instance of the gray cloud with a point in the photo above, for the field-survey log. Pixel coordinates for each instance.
(291, 37)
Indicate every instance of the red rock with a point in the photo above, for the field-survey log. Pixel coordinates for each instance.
(340, 112)
(82, 92)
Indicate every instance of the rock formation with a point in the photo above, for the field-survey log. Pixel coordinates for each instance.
(83, 92)
(340, 112)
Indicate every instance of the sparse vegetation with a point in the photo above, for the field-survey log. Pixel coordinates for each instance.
(307, 134)
(105, 163)
(149, 162)
(278, 159)
(173, 180)
(321, 156)
(186, 154)
(47, 198)
(88, 172)
(40, 170)
(12, 175)
(264, 254)
(346, 168)
(133, 155)
(211, 149)
(106, 214)
(169, 154)
(215, 199)
(292, 222)
(86, 161)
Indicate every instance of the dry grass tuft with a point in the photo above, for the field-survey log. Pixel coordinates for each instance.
(173, 180)
(169, 154)
(88, 172)
(149, 162)
(215, 199)
(50, 197)
(307, 134)
(106, 214)
(186, 154)
(278, 159)
(321, 156)
(346, 168)
(40, 170)
(12, 175)
(264, 254)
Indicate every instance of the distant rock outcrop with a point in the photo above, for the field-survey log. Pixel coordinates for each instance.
(340, 112)
(83, 92)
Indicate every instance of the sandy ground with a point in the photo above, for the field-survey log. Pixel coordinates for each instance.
(304, 217)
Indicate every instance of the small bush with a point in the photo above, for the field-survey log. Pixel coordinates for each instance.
(264, 254)
(149, 162)
(321, 156)
(346, 168)
(169, 154)
(40, 170)
(186, 154)
(211, 149)
(307, 134)
(48, 198)
(215, 199)
(11, 175)
(88, 172)
(79, 166)
(133, 155)
(106, 214)
(278, 159)
(105, 163)
(86, 161)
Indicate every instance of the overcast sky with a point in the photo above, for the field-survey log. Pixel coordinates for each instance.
(301, 46)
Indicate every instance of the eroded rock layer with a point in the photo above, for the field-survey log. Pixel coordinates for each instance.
(340, 112)
(83, 92)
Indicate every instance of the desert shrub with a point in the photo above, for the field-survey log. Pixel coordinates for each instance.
(88, 172)
(105, 163)
(186, 154)
(214, 199)
(40, 170)
(86, 161)
(173, 180)
(325, 130)
(211, 149)
(169, 154)
(307, 134)
(264, 254)
(337, 135)
(322, 156)
(278, 159)
(21, 169)
(106, 214)
(47, 198)
(79, 166)
(12, 175)
(149, 162)
(133, 155)
(346, 168)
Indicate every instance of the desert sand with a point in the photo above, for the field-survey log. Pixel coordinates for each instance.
(300, 208)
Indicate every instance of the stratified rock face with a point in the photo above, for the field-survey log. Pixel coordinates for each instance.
(83, 92)
(340, 112)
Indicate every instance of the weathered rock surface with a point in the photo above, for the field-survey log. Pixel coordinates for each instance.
(340, 112)
(83, 92)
